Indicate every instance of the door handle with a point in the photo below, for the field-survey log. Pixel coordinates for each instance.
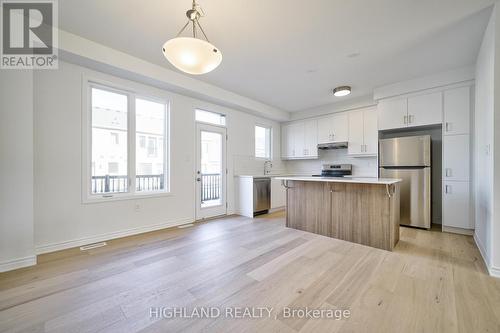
(198, 179)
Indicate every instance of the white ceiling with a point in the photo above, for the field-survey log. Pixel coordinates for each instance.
(290, 53)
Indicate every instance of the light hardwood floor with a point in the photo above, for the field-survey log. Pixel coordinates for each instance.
(432, 282)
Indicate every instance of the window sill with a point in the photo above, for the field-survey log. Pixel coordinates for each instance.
(121, 197)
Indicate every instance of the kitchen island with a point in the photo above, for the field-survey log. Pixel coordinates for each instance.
(359, 210)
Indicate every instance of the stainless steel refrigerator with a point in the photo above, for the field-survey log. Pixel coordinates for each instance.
(409, 158)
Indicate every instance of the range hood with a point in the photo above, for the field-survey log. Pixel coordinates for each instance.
(332, 145)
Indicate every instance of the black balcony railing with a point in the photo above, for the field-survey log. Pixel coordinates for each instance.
(114, 184)
(210, 186)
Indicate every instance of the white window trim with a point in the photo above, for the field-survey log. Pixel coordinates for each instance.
(270, 158)
(87, 84)
(208, 123)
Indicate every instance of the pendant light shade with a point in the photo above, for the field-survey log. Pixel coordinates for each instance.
(192, 55)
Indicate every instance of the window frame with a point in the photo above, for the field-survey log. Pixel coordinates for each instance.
(270, 128)
(209, 123)
(132, 94)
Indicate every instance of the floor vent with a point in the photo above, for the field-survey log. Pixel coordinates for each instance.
(92, 246)
(185, 226)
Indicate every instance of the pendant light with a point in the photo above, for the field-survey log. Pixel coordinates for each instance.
(192, 55)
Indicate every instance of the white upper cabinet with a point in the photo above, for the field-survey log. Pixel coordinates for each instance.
(370, 131)
(333, 128)
(299, 140)
(457, 111)
(297, 131)
(356, 133)
(456, 158)
(392, 113)
(287, 142)
(413, 111)
(363, 133)
(425, 109)
(311, 138)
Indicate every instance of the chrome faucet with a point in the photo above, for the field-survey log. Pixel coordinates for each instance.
(267, 167)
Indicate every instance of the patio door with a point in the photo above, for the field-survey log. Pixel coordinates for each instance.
(210, 171)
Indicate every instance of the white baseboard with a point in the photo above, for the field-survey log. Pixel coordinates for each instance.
(40, 249)
(467, 232)
(17, 263)
(494, 271)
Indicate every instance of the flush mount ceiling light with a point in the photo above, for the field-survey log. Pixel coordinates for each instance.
(192, 55)
(341, 91)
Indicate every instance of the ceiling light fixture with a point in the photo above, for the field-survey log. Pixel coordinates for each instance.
(192, 55)
(341, 91)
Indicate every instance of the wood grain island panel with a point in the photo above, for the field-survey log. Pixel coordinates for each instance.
(363, 213)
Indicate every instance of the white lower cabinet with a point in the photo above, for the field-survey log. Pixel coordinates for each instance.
(456, 205)
(278, 194)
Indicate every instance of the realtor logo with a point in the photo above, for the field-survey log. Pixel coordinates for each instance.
(29, 38)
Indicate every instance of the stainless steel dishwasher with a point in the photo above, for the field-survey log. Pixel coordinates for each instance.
(261, 195)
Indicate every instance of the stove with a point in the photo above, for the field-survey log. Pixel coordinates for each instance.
(335, 170)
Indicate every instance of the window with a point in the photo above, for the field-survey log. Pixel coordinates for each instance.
(262, 142)
(115, 138)
(210, 117)
(111, 119)
(113, 168)
(142, 141)
(151, 120)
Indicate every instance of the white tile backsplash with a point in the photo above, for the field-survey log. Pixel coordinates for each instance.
(361, 166)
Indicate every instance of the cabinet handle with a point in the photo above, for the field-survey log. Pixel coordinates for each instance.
(447, 189)
(447, 127)
(448, 172)
(411, 118)
(405, 120)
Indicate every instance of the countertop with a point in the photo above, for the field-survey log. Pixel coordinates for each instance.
(264, 176)
(359, 180)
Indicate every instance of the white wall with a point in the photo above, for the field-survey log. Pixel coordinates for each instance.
(495, 260)
(484, 106)
(16, 169)
(61, 220)
(487, 158)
